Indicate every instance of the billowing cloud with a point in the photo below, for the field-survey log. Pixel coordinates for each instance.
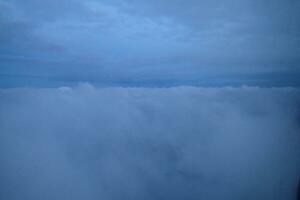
(139, 143)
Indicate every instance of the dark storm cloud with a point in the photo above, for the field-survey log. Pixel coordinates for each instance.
(145, 39)
(176, 143)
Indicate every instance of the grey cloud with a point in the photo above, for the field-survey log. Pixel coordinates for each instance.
(138, 143)
(18, 37)
(40, 11)
(142, 39)
(265, 15)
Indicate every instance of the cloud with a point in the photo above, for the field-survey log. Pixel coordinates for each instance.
(145, 39)
(141, 143)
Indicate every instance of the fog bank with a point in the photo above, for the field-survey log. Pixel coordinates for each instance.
(140, 143)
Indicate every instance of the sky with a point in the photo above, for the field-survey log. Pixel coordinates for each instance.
(149, 143)
(149, 99)
(149, 43)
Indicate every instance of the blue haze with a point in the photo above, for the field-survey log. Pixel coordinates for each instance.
(160, 43)
(141, 143)
(149, 99)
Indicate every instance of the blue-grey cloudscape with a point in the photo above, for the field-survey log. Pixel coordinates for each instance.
(155, 43)
(153, 144)
(149, 99)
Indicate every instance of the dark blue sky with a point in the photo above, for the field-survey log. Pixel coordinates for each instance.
(150, 43)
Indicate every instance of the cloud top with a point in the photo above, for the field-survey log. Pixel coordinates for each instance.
(141, 143)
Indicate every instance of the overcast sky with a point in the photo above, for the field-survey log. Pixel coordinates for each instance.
(133, 41)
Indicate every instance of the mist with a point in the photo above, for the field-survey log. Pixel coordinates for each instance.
(119, 143)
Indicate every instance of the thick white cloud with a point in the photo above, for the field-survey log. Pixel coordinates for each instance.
(138, 143)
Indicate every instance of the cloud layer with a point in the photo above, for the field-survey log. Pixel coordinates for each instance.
(115, 40)
(138, 143)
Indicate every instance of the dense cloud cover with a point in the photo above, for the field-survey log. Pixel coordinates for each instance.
(138, 143)
(125, 40)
